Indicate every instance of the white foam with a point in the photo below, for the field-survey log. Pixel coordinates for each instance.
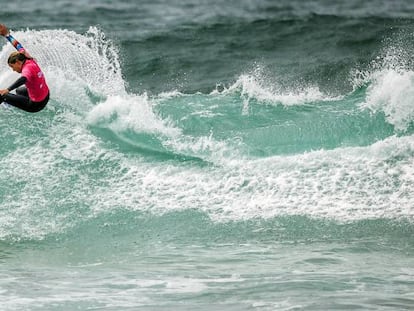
(255, 85)
(344, 184)
(391, 92)
(130, 112)
(390, 86)
(252, 86)
(57, 178)
(89, 57)
(135, 113)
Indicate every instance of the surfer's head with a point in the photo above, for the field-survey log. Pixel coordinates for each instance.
(16, 61)
(16, 56)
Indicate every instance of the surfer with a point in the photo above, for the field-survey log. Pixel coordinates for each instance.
(32, 92)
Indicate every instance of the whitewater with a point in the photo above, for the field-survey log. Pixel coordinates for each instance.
(255, 194)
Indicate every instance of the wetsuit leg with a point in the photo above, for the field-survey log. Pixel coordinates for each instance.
(19, 101)
(22, 91)
(24, 103)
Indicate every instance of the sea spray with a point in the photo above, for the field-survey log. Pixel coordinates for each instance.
(142, 190)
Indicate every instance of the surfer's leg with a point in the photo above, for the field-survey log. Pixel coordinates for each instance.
(24, 103)
(19, 101)
(22, 91)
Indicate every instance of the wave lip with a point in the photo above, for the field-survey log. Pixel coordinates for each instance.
(391, 92)
(252, 86)
(90, 58)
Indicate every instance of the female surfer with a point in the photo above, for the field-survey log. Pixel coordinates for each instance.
(32, 92)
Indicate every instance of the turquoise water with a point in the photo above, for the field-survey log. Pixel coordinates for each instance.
(210, 156)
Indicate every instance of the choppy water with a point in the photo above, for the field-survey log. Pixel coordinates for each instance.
(223, 155)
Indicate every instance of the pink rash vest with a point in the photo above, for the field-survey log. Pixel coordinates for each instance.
(36, 83)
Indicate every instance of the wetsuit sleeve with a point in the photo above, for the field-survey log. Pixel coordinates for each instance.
(19, 82)
(17, 45)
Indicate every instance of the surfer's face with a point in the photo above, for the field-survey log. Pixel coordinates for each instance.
(17, 66)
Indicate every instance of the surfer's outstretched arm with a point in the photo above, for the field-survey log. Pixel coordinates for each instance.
(4, 31)
(17, 45)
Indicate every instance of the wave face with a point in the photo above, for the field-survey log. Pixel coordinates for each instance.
(261, 154)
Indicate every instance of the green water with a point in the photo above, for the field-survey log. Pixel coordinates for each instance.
(210, 156)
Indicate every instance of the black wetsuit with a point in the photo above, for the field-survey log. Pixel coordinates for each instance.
(21, 99)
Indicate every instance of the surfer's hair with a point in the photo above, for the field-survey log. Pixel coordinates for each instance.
(15, 56)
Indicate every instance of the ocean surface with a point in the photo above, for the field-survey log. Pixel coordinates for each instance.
(210, 155)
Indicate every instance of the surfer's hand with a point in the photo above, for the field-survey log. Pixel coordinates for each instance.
(4, 92)
(3, 30)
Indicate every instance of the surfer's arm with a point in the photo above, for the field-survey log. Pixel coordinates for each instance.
(4, 31)
(17, 45)
(19, 82)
